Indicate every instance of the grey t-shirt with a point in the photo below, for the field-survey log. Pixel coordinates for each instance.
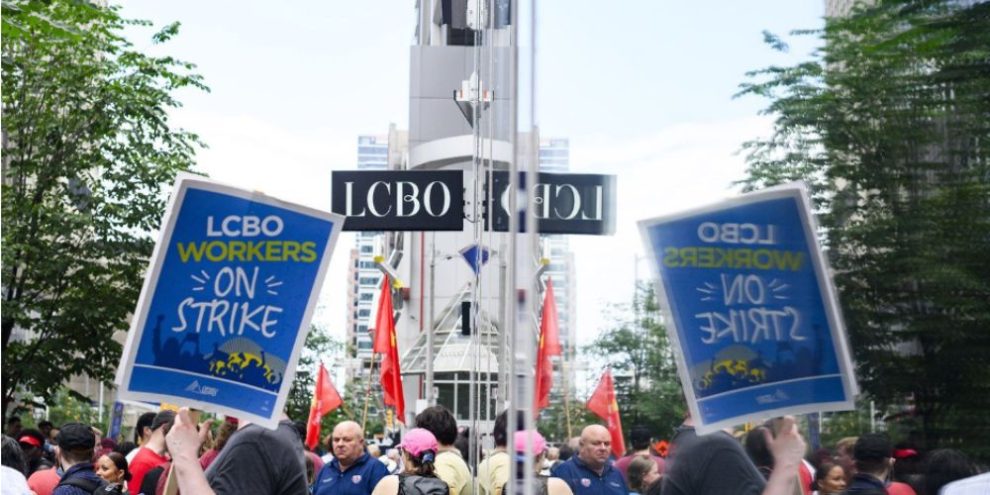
(712, 464)
(257, 460)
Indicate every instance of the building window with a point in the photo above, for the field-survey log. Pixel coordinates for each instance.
(367, 248)
(364, 313)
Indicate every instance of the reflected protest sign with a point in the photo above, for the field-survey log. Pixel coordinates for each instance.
(753, 313)
(227, 301)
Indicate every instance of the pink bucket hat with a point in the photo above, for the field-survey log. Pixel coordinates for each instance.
(539, 444)
(417, 441)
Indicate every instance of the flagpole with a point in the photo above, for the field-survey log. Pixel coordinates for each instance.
(367, 395)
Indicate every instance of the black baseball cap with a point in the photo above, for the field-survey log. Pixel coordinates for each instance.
(75, 436)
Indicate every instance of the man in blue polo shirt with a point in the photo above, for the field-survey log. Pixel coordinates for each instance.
(589, 472)
(352, 471)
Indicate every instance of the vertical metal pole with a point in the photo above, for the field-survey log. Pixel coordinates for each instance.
(431, 399)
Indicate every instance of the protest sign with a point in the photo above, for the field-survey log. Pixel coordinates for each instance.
(227, 301)
(752, 311)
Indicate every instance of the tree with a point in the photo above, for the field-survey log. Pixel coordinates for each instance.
(888, 123)
(87, 153)
(648, 390)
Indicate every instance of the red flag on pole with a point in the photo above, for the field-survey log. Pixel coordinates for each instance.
(385, 345)
(549, 346)
(602, 403)
(325, 399)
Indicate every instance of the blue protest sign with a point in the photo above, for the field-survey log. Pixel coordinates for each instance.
(753, 313)
(227, 301)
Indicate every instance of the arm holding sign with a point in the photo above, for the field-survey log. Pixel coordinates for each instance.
(183, 444)
(788, 450)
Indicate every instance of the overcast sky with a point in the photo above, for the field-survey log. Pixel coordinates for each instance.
(643, 90)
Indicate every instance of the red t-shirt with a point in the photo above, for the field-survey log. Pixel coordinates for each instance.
(145, 460)
(43, 482)
(898, 488)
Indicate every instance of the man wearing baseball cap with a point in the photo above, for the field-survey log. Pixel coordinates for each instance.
(75, 443)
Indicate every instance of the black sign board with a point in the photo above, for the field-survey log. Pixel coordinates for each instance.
(399, 200)
(562, 203)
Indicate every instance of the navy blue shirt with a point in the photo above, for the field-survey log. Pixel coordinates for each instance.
(82, 470)
(359, 479)
(584, 481)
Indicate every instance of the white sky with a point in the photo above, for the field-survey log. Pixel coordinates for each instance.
(641, 88)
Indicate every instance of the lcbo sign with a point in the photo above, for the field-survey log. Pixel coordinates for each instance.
(562, 203)
(434, 201)
(399, 200)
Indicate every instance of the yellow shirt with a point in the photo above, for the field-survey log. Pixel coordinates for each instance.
(493, 473)
(452, 469)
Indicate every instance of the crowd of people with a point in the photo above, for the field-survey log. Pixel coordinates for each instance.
(172, 453)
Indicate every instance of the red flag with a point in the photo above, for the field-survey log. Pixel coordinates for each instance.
(602, 403)
(549, 346)
(325, 399)
(385, 344)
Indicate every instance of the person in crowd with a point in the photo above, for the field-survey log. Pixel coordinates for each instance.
(531, 444)
(125, 448)
(255, 460)
(151, 454)
(830, 479)
(463, 442)
(106, 446)
(716, 463)
(32, 443)
(974, 485)
(392, 461)
(493, 472)
(352, 471)
(13, 456)
(14, 427)
(45, 427)
(449, 464)
(755, 444)
(642, 473)
(76, 443)
(640, 439)
(589, 472)
(112, 467)
(873, 456)
(907, 466)
(226, 429)
(142, 433)
(844, 456)
(419, 450)
(944, 466)
(12, 480)
(43, 482)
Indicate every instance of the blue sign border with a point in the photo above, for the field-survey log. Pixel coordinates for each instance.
(831, 392)
(183, 185)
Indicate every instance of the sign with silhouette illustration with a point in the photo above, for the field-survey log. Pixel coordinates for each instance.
(227, 301)
(753, 314)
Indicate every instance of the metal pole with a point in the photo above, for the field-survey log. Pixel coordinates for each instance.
(431, 398)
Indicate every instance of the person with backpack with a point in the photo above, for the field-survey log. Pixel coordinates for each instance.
(76, 443)
(419, 452)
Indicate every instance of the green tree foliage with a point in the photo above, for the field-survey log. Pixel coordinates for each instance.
(648, 390)
(889, 122)
(87, 153)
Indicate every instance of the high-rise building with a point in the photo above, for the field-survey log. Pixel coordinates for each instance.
(364, 279)
(555, 158)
